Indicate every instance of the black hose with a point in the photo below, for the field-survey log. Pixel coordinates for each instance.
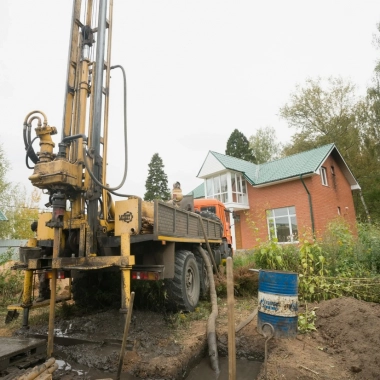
(111, 189)
(31, 154)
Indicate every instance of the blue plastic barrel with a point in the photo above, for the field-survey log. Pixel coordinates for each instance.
(278, 302)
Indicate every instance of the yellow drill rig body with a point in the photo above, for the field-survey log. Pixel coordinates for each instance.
(86, 231)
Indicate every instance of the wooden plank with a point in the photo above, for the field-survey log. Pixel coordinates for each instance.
(247, 320)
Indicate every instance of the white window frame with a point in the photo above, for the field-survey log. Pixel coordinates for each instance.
(239, 194)
(217, 187)
(272, 225)
(323, 173)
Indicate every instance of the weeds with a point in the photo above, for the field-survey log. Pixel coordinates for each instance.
(11, 283)
(306, 320)
(182, 319)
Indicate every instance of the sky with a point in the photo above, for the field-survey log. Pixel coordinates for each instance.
(196, 70)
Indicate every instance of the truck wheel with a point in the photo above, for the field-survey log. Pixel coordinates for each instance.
(184, 289)
(204, 280)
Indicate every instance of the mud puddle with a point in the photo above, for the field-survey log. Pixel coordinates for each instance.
(245, 370)
(70, 369)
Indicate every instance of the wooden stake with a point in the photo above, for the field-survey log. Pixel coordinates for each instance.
(125, 335)
(231, 321)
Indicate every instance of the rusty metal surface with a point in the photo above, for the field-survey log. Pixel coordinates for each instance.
(84, 263)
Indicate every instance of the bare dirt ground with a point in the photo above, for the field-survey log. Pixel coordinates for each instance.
(346, 344)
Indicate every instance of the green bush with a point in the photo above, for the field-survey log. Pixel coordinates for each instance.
(368, 247)
(11, 283)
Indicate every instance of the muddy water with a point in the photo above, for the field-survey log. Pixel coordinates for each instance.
(245, 370)
(68, 369)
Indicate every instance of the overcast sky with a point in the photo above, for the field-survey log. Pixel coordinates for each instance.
(196, 70)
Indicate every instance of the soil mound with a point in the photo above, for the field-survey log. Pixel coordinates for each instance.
(351, 329)
(346, 345)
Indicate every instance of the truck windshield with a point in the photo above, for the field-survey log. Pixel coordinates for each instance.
(210, 209)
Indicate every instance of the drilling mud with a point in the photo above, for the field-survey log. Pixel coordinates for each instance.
(346, 345)
(158, 347)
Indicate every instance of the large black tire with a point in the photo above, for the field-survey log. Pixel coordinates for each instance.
(204, 280)
(96, 289)
(184, 289)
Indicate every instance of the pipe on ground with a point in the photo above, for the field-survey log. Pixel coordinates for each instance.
(211, 330)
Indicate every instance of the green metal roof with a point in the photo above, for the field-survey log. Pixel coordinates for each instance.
(198, 192)
(3, 218)
(285, 168)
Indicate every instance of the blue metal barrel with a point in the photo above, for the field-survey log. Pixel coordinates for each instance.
(278, 302)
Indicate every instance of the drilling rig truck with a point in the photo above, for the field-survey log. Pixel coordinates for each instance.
(87, 233)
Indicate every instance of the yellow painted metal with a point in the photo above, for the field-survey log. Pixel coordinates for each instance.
(57, 172)
(53, 292)
(125, 245)
(74, 55)
(127, 216)
(89, 262)
(82, 239)
(126, 272)
(27, 293)
(44, 232)
(126, 289)
(32, 243)
(44, 133)
(187, 240)
(109, 225)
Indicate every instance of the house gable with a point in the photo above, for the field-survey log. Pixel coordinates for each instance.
(285, 169)
(211, 165)
(292, 185)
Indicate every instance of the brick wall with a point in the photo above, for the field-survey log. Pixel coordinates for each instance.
(325, 203)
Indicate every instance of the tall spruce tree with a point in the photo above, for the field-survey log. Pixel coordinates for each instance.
(156, 184)
(238, 146)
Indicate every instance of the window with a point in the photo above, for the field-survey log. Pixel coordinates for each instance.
(239, 188)
(322, 172)
(209, 209)
(216, 187)
(282, 224)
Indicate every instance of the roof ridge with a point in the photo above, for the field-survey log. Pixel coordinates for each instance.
(235, 158)
(297, 154)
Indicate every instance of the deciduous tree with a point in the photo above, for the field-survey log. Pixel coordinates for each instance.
(19, 208)
(323, 113)
(331, 112)
(264, 145)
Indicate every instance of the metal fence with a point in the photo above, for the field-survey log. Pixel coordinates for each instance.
(12, 244)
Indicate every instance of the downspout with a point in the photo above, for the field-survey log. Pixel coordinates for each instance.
(310, 204)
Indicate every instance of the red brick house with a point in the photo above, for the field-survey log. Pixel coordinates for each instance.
(280, 198)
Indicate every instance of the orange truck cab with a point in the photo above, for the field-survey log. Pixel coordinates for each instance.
(215, 207)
